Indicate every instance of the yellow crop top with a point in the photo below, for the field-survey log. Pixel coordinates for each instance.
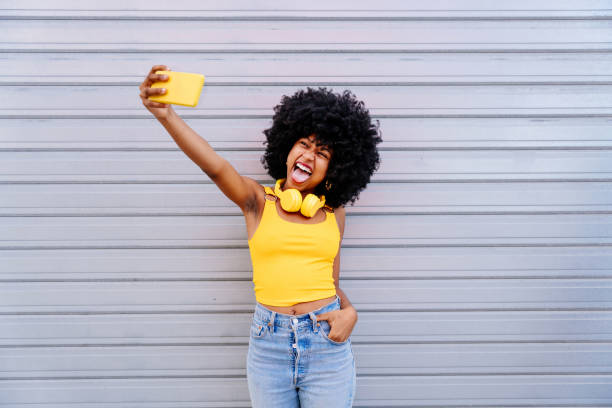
(293, 262)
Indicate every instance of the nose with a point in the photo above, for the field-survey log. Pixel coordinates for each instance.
(309, 154)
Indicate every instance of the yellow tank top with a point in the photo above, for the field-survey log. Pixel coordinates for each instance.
(293, 262)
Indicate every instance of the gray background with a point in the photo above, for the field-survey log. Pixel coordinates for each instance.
(478, 258)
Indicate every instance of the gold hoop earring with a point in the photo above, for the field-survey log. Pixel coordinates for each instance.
(328, 185)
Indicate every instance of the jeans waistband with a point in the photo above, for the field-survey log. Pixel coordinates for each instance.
(275, 319)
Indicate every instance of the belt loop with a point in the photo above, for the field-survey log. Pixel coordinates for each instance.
(271, 322)
(313, 317)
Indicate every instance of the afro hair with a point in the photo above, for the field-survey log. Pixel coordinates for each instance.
(338, 121)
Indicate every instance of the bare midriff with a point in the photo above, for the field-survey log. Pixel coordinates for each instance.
(301, 308)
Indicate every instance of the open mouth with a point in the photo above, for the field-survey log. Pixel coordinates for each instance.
(300, 173)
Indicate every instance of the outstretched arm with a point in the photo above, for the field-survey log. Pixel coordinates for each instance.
(241, 190)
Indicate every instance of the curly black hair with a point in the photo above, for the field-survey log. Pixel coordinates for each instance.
(339, 121)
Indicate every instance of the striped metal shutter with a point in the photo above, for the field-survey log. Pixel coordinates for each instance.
(479, 258)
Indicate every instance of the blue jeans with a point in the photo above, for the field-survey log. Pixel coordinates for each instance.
(292, 363)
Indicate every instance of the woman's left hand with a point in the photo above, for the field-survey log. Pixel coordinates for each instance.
(341, 323)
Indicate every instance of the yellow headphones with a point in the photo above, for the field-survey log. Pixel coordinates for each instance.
(291, 200)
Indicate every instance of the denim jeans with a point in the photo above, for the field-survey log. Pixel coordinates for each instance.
(292, 363)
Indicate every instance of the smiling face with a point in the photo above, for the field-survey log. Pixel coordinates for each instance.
(312, 156)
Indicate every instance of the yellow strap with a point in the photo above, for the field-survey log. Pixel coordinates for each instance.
(269, 190)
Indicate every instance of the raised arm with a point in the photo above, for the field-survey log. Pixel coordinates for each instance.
(240, 189)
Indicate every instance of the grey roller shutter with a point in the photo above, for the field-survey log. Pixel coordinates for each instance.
(478, 258)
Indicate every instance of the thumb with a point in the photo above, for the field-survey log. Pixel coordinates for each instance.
(323, 316)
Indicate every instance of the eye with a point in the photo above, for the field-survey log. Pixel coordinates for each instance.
(304, 143)
(322, 154)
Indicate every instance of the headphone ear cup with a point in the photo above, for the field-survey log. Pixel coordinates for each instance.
(311, 205)
(291, 200)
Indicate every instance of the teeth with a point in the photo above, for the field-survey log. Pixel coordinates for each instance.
(306, 169)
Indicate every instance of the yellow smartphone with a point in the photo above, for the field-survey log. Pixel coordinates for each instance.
(182, 88)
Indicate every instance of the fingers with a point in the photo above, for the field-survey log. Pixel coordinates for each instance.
(153, 104)
(158, 77)
(157, 104)
(145, 87)
(152, 73)
(327, 315)
(153, 77)
(146, 92)
(158, 68)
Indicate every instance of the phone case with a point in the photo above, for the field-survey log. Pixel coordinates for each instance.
(182, 88)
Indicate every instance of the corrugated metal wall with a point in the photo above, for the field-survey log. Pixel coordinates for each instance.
(478, 258)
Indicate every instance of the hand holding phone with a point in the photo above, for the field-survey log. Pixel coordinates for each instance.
(160, 110)
(182, 88)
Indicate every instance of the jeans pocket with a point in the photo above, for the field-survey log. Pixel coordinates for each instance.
(258, 329)
(325, 328)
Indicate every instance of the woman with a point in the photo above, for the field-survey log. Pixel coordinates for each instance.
(321, 150)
